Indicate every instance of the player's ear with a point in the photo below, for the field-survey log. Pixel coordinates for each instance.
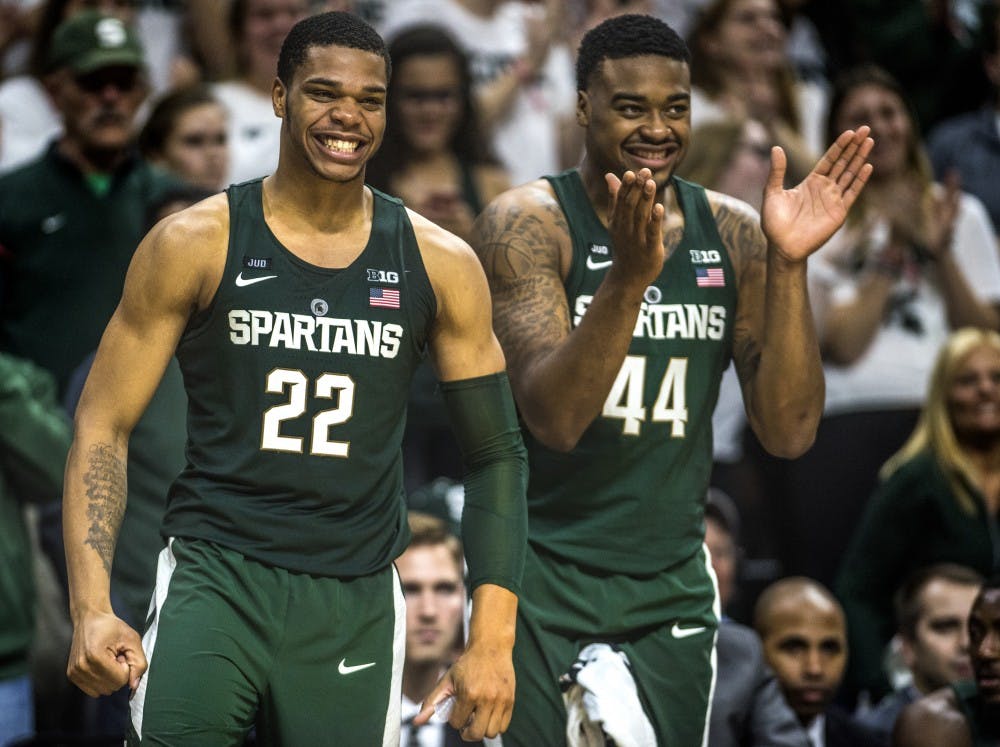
(278, 94)
(582, 108)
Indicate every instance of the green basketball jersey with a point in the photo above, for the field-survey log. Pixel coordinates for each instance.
(629, 498)
(298, 379)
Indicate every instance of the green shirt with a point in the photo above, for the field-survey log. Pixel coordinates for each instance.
(64, 251)
(911, 521)
(297, 378)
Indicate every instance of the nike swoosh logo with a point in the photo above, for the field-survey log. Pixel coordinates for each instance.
(678, 632)
(242, 281)
(592, 265)
(344, 669)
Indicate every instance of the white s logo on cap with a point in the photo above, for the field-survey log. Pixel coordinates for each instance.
(110, 32)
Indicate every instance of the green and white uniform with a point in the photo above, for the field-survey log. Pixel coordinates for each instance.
(290, 510)
(616, 526)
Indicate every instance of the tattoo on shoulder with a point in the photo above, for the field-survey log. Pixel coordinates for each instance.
(739, 229)
(518, 247)
(105, 482)
(514, 242)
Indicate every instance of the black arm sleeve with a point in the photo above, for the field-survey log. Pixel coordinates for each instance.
(495, 518)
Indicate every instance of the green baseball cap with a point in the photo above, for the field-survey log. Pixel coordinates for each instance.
(90, 40)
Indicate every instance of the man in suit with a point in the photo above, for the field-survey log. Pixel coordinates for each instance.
(804, 632)
(431, 573)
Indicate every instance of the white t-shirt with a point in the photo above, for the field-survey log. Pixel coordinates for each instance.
(28, 121)
(895, 369)
(526, 140)
(158, 25)
(254, 131)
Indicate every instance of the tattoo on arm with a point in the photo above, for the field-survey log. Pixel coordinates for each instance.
(106, 492)
(740, 232)
(516, 248)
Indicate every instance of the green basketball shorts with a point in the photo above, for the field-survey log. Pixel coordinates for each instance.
(232, 643)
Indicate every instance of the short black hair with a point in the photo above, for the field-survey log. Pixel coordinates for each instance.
(906, 601)
(628, 35)
(333, 29)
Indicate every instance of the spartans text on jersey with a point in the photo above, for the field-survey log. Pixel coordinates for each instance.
(671, 321)
(282, 329)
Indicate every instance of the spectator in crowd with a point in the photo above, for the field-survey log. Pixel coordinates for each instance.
(914, 261)
(34, 441)
(257, 28)
(805, 642)
(969, 143)
(186, 134)
(431, 574)
(806, 49)
(522, 72)
(966, 713)
(932, 618)
(436, 158)
(740, 69)
(70, 220)
(732, 156)
(747, 705)
(29, 118)
(938, 501)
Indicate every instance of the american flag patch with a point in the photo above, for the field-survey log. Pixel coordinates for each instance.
(709, 277)
(385, 298)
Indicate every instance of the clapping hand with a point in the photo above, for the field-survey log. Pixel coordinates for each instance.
(800, 220)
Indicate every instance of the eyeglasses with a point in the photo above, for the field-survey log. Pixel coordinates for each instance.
(204, 139)
(124, 79)
(440, 96)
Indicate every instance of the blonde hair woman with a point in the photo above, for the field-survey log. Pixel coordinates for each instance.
(938, 500)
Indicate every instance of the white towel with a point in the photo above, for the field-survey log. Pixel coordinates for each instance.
(602, 702)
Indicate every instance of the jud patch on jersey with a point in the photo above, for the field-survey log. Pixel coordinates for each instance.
(257, 263)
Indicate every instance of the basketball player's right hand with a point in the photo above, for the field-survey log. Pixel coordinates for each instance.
(106, 655)
(635, 222)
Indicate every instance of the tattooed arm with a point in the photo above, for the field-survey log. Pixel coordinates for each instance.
(774, 347)
(171, 274)
(561, 376)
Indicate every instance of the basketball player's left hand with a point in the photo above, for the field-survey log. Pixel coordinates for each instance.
(482, 684)
(799, 221)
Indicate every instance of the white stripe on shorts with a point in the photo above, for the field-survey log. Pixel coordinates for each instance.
(717, 609)
(393, 715)
(165, 565)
